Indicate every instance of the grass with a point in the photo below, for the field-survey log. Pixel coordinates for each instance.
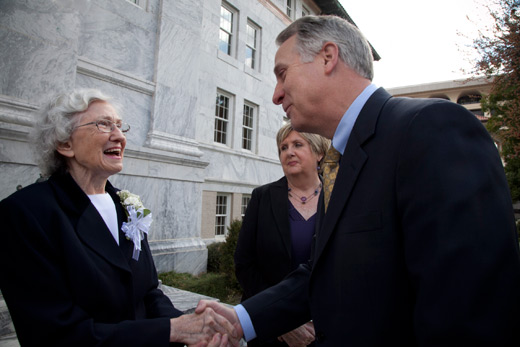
(211, 284)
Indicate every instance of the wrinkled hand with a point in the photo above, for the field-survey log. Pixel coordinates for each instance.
(203, 328)
(223, 311)
(301, 336)
(217, 341)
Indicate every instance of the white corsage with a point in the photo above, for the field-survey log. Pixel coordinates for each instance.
(139, 219)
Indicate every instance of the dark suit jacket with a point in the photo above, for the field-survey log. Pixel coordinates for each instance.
(263, 253)
(66, 281)
(418, 246)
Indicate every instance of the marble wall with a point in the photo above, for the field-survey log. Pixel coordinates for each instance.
(162, 65)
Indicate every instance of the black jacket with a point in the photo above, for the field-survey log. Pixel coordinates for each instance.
(65, 280)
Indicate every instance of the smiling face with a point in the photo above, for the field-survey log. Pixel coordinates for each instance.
(297, 157)
(92, 155)
(298, 87)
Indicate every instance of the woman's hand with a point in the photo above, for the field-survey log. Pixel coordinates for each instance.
(200, 329)
(299, 337)
(217, 341)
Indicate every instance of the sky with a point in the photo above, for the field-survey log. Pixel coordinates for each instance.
(419, 41)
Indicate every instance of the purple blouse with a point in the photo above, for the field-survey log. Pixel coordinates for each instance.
(301, 236)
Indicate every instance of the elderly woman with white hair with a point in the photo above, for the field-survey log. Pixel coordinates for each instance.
(76, 265)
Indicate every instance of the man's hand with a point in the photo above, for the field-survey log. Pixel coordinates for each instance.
(200, 328)
(223, 311)
(299, 337)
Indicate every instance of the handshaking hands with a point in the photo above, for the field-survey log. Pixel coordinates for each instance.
(302, 336)
(212, 325)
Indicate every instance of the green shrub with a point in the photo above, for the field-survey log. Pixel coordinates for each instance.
(215, 257)
(220, 281)
(210, 284)
(227, 264)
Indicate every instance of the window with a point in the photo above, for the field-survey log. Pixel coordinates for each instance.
(245, 202)
(221, 215)
(289, 4)
(252, 44)
(139, 3)
(227, 28)
(469, 98)
(222, 112)
(248, 126)
(305, 11)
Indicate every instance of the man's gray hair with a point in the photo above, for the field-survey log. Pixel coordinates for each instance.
(312, 32)
(55, 124)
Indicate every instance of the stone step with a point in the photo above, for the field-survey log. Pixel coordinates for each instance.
(7, 333)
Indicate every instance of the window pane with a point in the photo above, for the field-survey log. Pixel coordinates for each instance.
(250, 57)
(226, 19)
(246, 139)
(221, 117)
(224, 42)
(226, 30)
(221, 215)
(247, 127)
(251, 36)
(245, 202)
(289, 8)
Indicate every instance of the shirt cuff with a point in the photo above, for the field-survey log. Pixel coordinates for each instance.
(245, 322)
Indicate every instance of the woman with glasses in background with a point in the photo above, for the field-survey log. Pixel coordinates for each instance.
(75, 269)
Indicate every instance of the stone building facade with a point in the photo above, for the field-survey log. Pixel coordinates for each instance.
(466, 92)
(193, 79)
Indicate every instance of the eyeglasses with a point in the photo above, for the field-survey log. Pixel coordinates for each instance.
(107, 126)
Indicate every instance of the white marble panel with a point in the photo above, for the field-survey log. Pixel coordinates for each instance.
(190, 260)
(178, 63)
(239, 167)
(175, 111)
(143, 16)
(210, 31)
(174, 205)
(113, 41)
(33, 70)
(186, 13)
(14, 175)
(56, 22)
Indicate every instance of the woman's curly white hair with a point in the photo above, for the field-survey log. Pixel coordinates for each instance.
(55, 124)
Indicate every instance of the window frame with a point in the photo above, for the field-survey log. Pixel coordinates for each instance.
(231, 42)
(139, 3)
(255, 65)
(249, 128)
(305, 11)
(246, 198)
(289, 8)
(221, 228)
(218, 132)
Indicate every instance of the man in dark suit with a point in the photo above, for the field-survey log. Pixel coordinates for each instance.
(418, 244)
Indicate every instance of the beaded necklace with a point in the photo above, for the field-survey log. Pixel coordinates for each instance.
(305, 199)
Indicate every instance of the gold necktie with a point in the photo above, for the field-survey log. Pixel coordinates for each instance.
(330, 167)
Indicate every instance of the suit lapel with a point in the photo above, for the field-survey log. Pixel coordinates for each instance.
(126, 246)
(351, 165)
(89, 225)
(94, 233)
(280, 208)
